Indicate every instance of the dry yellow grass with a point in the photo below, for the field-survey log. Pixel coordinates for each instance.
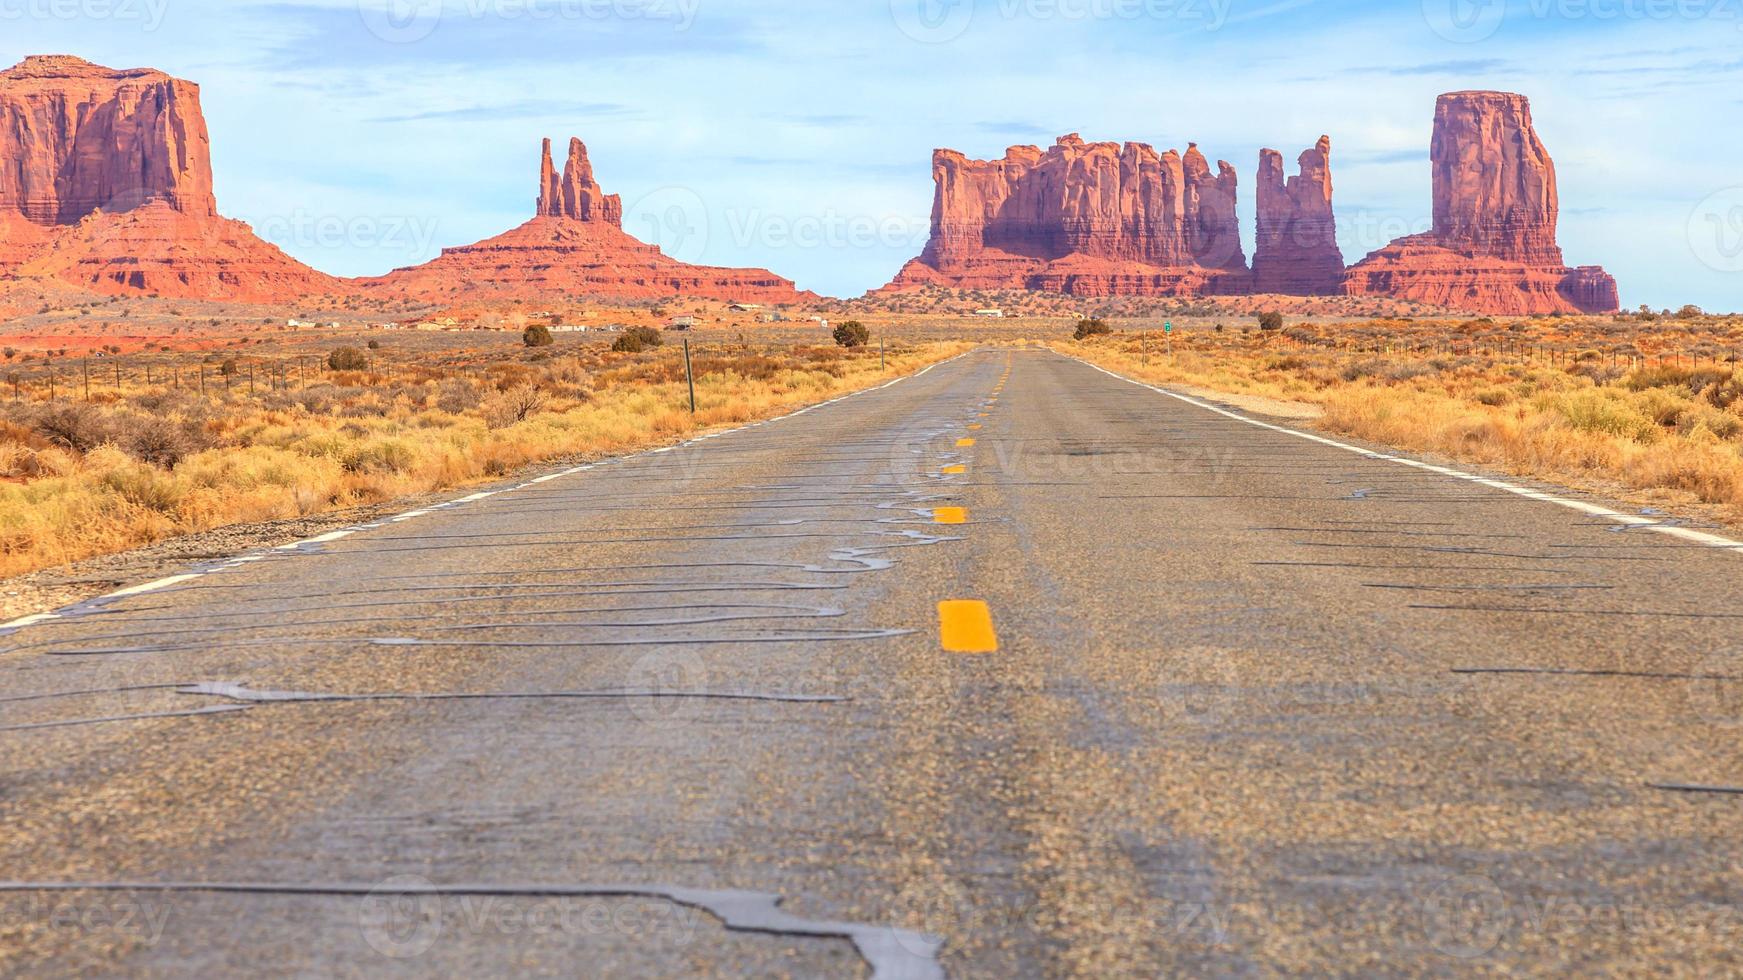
(141, 465)
(1543, 400)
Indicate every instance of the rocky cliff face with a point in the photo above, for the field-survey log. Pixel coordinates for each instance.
(1213, 230)
(1493, 248)
(76, 138)
(1494, 183)
(1083, 218)
(576, 194)
(575, 245)
(1297, 250)
(106, 183)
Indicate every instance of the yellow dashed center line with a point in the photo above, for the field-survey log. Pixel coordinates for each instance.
(964, 443)
(966, 626)
(950, 515)
(954, 470)
(975, 427)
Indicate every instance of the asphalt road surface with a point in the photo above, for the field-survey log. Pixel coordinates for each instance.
(1203, 698)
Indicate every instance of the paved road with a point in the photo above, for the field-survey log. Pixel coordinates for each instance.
(1258, 705)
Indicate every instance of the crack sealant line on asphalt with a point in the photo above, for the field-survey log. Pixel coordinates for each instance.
(1702, 538)
(302, 547)
(892, 953)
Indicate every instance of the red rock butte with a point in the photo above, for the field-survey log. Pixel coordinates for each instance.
(106, 183)
(1089, 219)
(1493, 247)
(575, 244)
(1095, 219)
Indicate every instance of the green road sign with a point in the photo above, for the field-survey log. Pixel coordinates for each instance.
(1168, 327)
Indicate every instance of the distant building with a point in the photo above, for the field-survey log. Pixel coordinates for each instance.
(680, 323)
(991, 314)
(745, 307)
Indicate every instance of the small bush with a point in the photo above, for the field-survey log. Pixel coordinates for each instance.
(852, 333)
(637, 339)
(456, 395)
(537, 335)
(158, 441)
(80, 428)
(1270, 321)
(347, 359)
(515, 405)
(1091, 328)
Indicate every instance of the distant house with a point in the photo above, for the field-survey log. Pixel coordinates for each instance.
(991, 314)
(745, 307)
(680, 323)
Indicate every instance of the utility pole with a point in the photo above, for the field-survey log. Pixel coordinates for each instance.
(689, 375)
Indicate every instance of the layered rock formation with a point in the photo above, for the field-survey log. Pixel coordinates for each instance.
(76, 138)
(106, 183)
(1297, 250)
(576, 245)
(1088, 219)
(1493, 247)
(576, 195)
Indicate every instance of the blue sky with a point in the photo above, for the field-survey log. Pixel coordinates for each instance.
(366, 134)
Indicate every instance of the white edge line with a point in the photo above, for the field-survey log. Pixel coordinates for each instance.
(330, 536)
(1594, 510)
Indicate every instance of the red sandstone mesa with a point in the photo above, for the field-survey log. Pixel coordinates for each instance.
(1090, 219)
(576, 245)
(1297, 251)
(106, 183)
(1493, 248)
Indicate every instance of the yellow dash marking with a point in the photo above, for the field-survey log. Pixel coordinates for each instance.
(950, 515)
(954, 470)
(975, 427)
(966, 626)
(964, 443)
